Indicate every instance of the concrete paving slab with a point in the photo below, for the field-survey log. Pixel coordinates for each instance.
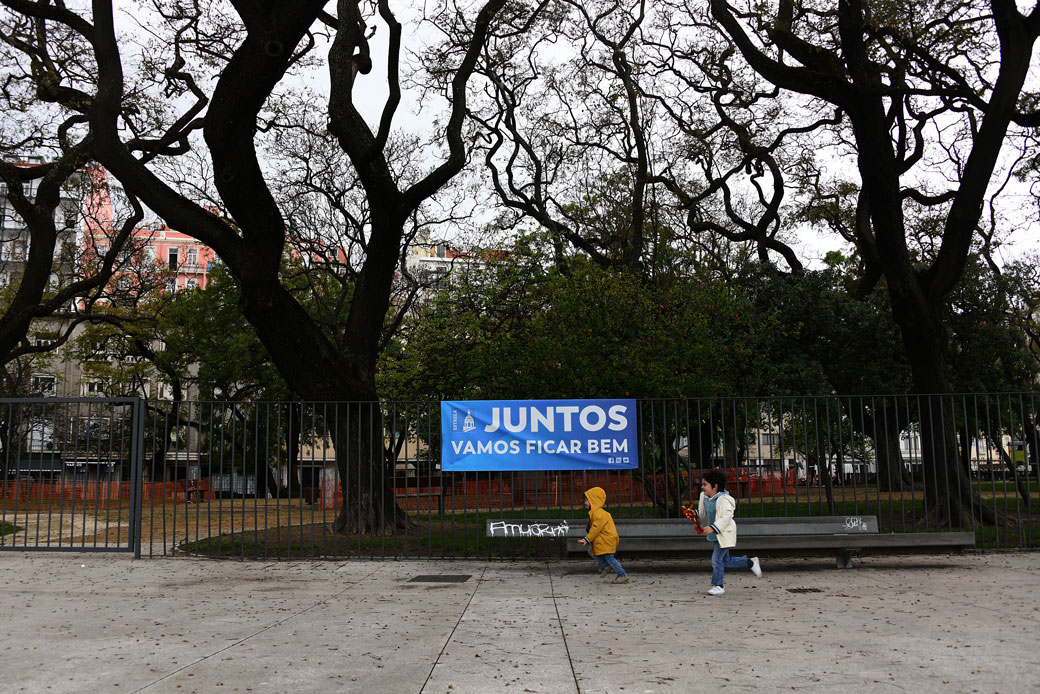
(509, 637)
(105, 623)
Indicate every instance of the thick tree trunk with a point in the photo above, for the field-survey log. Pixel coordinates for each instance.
(949, 498)
(319, 372)
(366, 472)
(292, 450)
(883, 423)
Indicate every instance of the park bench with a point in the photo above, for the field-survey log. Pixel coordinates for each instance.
(423, 486)
(842, 535)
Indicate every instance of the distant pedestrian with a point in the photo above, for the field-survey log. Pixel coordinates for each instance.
(715, 510)
(601, 536)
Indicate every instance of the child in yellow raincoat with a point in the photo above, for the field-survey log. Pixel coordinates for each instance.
(601, 535)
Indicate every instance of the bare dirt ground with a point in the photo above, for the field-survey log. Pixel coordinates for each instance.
(164, 526)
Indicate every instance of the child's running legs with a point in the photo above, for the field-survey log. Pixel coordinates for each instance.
(606, 561)
(720, 561)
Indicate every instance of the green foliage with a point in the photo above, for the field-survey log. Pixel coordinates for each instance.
(207, 329)
(517, 329)
(989, 349)
(827, 340)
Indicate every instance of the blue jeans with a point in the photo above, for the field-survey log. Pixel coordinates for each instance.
(605, 560)
(720, 559)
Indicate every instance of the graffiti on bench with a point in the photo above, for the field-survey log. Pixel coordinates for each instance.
(855, 523)
(521, 528)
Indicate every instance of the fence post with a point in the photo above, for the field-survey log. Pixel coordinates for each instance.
(137, 476)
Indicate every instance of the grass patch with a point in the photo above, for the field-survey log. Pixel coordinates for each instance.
(1007, 487)
(8, 528)
(1008, 536)
(458, 540)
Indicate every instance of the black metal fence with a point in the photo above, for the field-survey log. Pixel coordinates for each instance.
(292, 480)
(70, 474)
(263, 479)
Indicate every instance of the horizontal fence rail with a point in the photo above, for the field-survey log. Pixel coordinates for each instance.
(291, 480)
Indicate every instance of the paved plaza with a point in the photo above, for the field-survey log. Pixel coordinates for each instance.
(107, 623)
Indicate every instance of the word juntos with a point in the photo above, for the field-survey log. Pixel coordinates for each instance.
(591, 418)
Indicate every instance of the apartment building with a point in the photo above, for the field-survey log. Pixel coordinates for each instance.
(88, 224)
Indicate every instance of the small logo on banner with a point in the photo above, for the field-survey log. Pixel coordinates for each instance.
(468, 424)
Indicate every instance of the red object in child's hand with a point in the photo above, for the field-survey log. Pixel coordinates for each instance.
(691, 515)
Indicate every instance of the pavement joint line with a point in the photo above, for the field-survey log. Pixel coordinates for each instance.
(453, 629)
(242, 640)
(563, 632)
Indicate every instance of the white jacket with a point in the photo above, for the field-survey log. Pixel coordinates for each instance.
(725, 526)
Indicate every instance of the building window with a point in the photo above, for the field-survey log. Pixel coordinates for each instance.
(173, 258)
(93, 388)
(770, 439)
(12, 250)
(171, 286)
(45, 339)
(124, 283)
(192, 283)
(87, 430)
(191, 257)
(40, 437)
(44, 385)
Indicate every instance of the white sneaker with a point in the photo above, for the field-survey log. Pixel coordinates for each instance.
(756, 567)
(716, 590)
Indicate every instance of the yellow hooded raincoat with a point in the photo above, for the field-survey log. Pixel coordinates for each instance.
(602, 534)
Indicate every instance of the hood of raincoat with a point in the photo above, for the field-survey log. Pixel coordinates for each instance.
(597, 497)
(601, 533)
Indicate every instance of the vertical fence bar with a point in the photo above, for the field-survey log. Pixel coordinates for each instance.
(991, 464)
(1031, 468)
(319, 424)
(975, 471)
(31, 425)
(970, 434)
(998, 444)
(125, 460)
(137, 476)
(885, 441)
(8, 436)
(1020, 484)
(948, 466)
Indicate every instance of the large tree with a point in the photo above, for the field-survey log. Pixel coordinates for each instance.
(223, 70)
(926, 89)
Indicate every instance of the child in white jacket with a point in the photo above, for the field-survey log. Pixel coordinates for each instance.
(715, 511)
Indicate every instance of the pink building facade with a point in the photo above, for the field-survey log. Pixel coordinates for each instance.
(187, 260)
(155, 245)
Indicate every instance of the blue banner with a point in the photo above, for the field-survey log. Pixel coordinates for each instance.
(538, 435)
